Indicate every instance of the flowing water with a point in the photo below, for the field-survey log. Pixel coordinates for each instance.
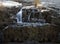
(19, 16)
(57, 2)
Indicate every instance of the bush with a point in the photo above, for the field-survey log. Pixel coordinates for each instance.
(41, 34)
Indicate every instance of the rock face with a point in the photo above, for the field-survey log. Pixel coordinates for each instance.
(8, 10)
(6, 16)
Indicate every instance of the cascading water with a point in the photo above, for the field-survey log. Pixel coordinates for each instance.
(29, 17)
(19, 16)
(32, 22)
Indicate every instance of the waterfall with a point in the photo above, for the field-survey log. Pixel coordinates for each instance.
(19, 16)
(29, 17)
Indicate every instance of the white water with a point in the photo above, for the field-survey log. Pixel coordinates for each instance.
(10, 4)
(19, 16)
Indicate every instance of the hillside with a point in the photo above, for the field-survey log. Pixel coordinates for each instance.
(46, 33)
